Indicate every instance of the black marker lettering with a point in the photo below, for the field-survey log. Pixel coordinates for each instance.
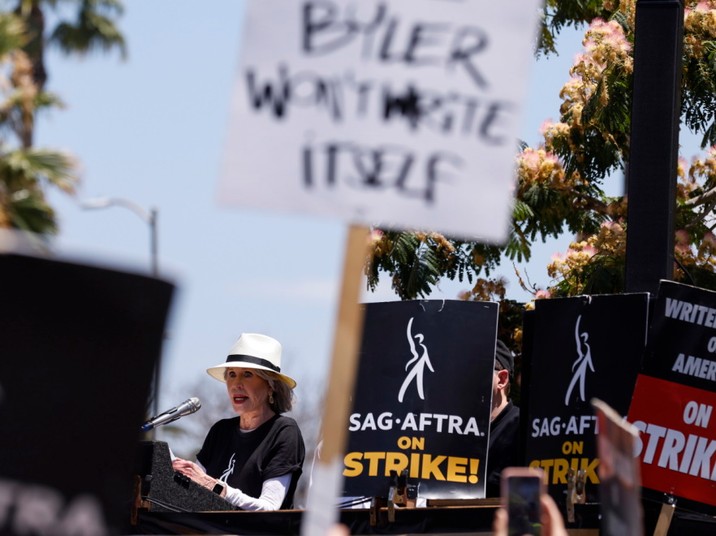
(468, 42)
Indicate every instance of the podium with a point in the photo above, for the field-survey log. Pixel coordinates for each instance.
(158, 488)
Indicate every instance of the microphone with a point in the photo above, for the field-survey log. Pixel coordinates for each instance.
(185, 408)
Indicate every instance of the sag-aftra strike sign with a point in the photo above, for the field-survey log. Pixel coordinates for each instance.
(580, 348)
(400, 113)
(421, 405)
(674, 400)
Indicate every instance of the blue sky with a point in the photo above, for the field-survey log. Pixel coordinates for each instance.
(152, 129)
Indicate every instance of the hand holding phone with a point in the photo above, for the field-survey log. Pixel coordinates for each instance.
(522, 490)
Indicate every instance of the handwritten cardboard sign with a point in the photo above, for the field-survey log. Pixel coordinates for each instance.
(401, 113)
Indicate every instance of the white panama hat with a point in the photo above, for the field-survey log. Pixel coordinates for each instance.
(254, 351)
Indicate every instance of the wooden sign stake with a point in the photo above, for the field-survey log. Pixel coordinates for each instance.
(664, 521)
(321, 512)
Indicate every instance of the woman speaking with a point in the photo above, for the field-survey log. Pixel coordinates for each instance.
(254, 460)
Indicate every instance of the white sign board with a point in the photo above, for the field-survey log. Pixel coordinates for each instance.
(401, 113)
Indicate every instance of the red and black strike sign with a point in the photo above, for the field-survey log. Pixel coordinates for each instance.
(674, 399)
(678, 438)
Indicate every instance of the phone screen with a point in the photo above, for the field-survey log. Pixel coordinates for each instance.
(523, 505)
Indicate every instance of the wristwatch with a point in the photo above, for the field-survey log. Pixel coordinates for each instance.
(219, 487)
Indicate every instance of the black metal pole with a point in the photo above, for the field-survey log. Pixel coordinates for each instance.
(154, 241)
(154, 257)
(651, 177)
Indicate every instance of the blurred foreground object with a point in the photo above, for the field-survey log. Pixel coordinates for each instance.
(78, 345)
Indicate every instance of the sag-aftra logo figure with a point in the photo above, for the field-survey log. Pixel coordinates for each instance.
(419, 361)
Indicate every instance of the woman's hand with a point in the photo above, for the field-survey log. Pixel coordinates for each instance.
(193, 471)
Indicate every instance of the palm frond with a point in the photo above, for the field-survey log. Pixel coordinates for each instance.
(93, 29)
(13, 34)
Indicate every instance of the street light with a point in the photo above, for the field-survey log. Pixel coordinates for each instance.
(150, 218)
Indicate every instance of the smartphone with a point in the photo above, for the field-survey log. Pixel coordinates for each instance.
(521, 490)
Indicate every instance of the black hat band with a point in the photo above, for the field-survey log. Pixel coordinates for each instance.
(254, 360)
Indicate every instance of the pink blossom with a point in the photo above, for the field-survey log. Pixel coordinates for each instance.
(545, 126)
(703, 6)
(531, 159)
(610, 33)
(612, 226)
(682, 241)
(682, 165)
(551, 158)
(375, 236)
(464, 295)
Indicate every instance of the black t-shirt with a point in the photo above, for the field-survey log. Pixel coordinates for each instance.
(244, 460)
(503, 449)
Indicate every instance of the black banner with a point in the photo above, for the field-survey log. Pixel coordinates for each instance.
(582, 347)
(422, 398)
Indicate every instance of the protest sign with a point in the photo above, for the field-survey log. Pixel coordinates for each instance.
(675, 396)
(401, 113)
(78, 345)
(422, 398)
(619, 475)
(582, 347)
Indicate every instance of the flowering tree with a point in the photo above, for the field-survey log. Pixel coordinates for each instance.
(560, 182)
